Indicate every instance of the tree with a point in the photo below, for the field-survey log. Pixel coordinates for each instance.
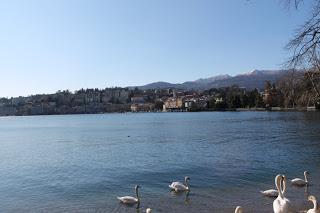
(220, 105)
(212, 103)
(271, 95)
(236, 102)
(245, 100)
(158, 105)
(305, 47)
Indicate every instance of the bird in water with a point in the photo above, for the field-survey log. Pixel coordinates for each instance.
(179, 187)
(129, 199)
(238, 210)
(281, 204)
(315, 208)
(270, 193)
(301, 182)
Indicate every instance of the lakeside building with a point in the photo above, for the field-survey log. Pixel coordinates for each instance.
(138, 100)
(115, 95)
(173, 104)
(196, 103)
(269, 97)
(145, 107)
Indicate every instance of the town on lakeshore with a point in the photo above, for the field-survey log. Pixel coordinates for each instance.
(274, 96)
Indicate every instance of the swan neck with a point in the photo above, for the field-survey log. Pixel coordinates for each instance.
(238, 210)
(305, 177)
(284, 187)
(137, 194)
(315, 204)
(278, 185)
(186, 183)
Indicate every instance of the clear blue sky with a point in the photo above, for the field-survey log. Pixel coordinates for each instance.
(69, 44)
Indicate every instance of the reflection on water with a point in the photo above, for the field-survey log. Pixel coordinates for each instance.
(81, 163)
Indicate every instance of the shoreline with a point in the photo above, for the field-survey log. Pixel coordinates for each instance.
(273, 109)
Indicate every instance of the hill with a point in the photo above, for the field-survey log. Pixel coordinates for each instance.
(251, 80)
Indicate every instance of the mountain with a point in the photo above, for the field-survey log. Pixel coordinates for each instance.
(212, 79)
(159, 85)
(251, 80)
(254, 79)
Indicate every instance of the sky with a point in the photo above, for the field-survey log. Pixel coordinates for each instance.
(51, 45)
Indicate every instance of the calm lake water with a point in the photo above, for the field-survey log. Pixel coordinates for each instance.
(80, 163)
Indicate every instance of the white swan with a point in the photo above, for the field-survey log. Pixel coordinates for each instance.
(299, 181)
(270, 193)
(148, 210)
(238, 210)
(130, 199)
(281, 204)
(178, 186)
(315, 205)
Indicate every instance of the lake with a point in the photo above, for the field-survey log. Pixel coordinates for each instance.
(81, 163)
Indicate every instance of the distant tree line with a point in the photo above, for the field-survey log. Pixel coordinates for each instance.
(234, 97)
(294, 90)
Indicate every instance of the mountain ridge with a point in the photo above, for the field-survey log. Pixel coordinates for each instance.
(251, 80)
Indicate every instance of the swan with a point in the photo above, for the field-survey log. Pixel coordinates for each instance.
(281, 204)
(238, 210)
(315, 205)
(270, 193)
(299, 181)
(178, 186)
(148, 210)
(130, 199)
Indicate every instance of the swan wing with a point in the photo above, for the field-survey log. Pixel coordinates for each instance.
(178, 186)
(128, 199)
(181, 188)
(174, 184)
(270, 193)
(298, 181)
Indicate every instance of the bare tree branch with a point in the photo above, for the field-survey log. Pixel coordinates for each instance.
(305, 46)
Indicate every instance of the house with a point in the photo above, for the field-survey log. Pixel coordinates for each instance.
(138, 100)
(172, 104)
(147, 107)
